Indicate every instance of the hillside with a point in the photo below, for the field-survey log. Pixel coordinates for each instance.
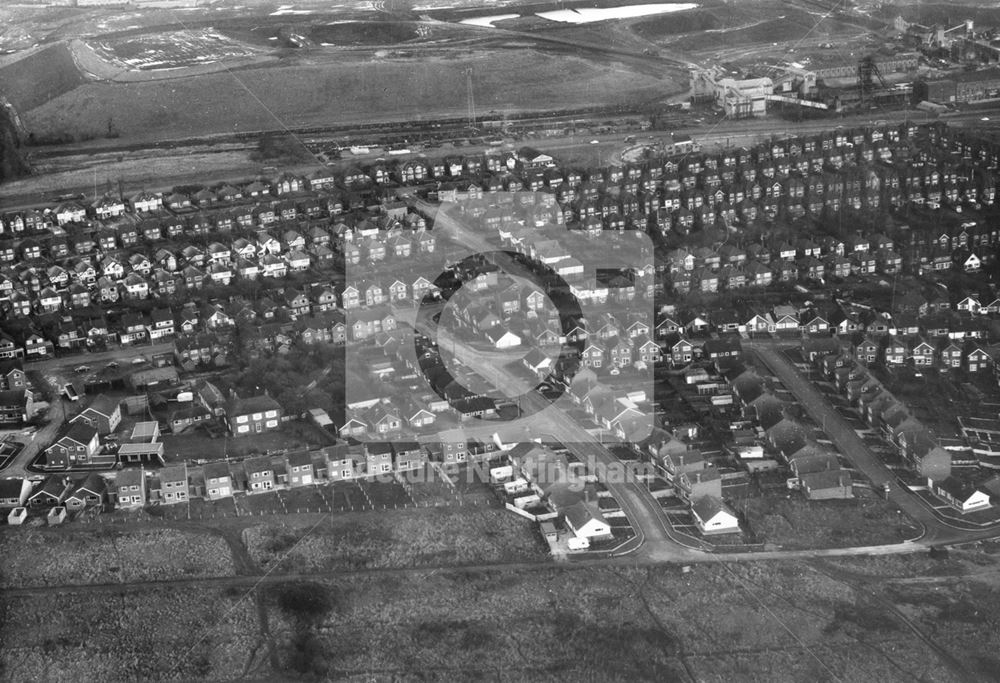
(12, 163)
(39, 77)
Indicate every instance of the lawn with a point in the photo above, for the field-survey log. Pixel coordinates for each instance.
(405, 538)
(793, 522)
(103, 554)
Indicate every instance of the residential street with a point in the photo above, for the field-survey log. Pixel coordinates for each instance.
(120, 355)
(36, 442)
(937, 531)
(56, 412)
(653, 533)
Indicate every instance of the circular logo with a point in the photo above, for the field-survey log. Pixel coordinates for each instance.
(442, 381)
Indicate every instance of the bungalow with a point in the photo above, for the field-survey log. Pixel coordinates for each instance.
(959, 494)
(827, 484)
(713, 516)
(586, 521)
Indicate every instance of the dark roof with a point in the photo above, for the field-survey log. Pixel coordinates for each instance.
(10, 488)
(104, 405)
(299, 458)
(174, 473)
(217, 470)
(828, 479)
(259, 464)
(80, 432)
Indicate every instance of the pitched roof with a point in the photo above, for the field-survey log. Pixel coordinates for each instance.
(252, 404)
(707, 507)
(81, 432)
(579, 514)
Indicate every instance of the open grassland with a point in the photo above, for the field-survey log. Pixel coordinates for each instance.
(598, 624)
(61, 556)
(313, 93)
(153, 635)
(794, 522)
(404, 538)
(775, 621)
(39, 77)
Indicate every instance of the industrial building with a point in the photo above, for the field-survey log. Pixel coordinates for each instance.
(969, 86)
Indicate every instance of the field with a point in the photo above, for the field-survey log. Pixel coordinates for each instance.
(302, 92)
(585, 623)
(407, 538)
(890, 618)
(170, 50)
(43, 557)
(127, 636)
(794, 522)
(39, 77)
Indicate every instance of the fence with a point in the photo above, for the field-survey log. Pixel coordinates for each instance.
(203, 515)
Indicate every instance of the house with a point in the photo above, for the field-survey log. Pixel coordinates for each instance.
(299, 469)
(130, 488)
(977, 359)
(14, 493)
(826, 484)
(408, 455)
(174, 484)
(378, 458)
(586, 521)
(253, 415)
(52, 492)
(344, 462)
(723, 348)
(712, 516)
(16, 405)
(260, 474)
(89, 493)
(501, 338)
(104, 415)
(961, 495)
(218, 481)
(76, 446)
